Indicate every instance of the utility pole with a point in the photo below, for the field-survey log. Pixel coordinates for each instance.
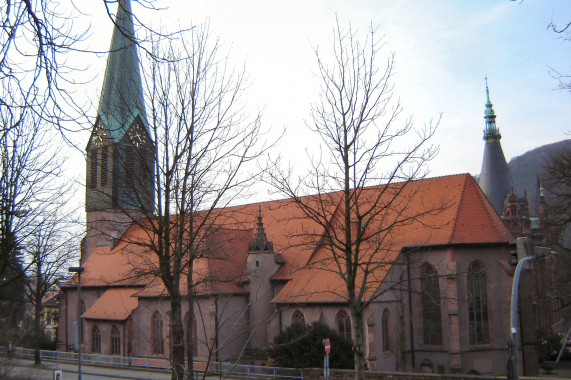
(521, 256)
(78, 270)
(512, 367)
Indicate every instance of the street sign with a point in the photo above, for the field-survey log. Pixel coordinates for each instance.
(327, 345)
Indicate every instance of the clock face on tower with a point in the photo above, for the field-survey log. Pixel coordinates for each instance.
(100, 135)
(137, 135)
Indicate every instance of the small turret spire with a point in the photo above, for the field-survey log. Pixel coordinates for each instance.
(491, 131)
(260, 241)
(121, 98)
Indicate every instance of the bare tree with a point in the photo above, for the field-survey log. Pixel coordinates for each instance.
(30, 183)
(556, 224)
(205, 144)
(564, 79)
(556, 180)
(363, 144)
(36, 40)
(48, 249)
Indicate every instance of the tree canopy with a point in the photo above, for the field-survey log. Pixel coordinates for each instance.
(301, 346)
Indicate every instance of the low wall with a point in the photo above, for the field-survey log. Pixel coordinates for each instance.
(336, 374)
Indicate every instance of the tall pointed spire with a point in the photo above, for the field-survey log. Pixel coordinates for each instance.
(121, 98)
(495, 178)
(491, 131)
(119, 159)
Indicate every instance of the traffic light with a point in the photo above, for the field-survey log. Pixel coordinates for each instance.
(520, 251)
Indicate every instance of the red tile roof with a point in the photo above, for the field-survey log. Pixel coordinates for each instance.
(467, 218)
(115, 304)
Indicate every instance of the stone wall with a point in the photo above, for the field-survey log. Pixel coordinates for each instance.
(317, 374)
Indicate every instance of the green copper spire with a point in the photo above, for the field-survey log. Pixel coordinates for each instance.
(491, 130)
(121, 98)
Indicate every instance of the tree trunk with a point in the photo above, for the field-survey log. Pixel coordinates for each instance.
(358, 344)
(190, 323)
(176, 335)
(37, 324)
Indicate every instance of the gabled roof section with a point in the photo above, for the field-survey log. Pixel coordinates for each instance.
(466, 217)
(450, 210)
(116, 304)
(121, 98)
(477, 221)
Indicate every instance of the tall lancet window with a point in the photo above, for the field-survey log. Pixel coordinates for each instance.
(115, 341)
(431, 314)
(129, 164)
(478, 304)
(104, 165)
(93, 168)
(95, 340)
(157, 341)
(344, 324)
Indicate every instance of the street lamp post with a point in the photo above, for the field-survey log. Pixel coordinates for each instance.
(78, 270)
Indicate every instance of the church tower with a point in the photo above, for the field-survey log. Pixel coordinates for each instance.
(261, 264)
(495, 177)
(120, 152)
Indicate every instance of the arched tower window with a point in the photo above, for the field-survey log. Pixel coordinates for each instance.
(115, 341)
(93, 168)
(129, 164)
(144, 166)
(95, 340)
(157, 347)
(104, 165)
(430, 300)
(344, 324)
(478, 304)
(385, 326)
(298, 317)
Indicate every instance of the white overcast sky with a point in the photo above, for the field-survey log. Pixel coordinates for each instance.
(443, 51)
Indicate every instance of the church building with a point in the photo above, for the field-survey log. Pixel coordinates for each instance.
(438, 303)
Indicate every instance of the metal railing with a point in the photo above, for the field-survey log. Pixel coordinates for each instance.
(223, 369)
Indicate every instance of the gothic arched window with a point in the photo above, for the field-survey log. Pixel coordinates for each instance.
(194, 334)
(344, 324)
(93, 168)
(478, 304)
(104, 165)
(157, 347)
(95, 340)
(144, 166)
(298, 317)
(430, 301)
(385, 326)
(115, 341)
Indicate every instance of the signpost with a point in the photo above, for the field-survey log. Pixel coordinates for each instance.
(327, 346)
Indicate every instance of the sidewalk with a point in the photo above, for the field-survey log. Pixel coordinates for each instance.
(25, 369)
(562, 371)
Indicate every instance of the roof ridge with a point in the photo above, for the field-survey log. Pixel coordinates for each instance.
(340, 190)
(466, 175)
